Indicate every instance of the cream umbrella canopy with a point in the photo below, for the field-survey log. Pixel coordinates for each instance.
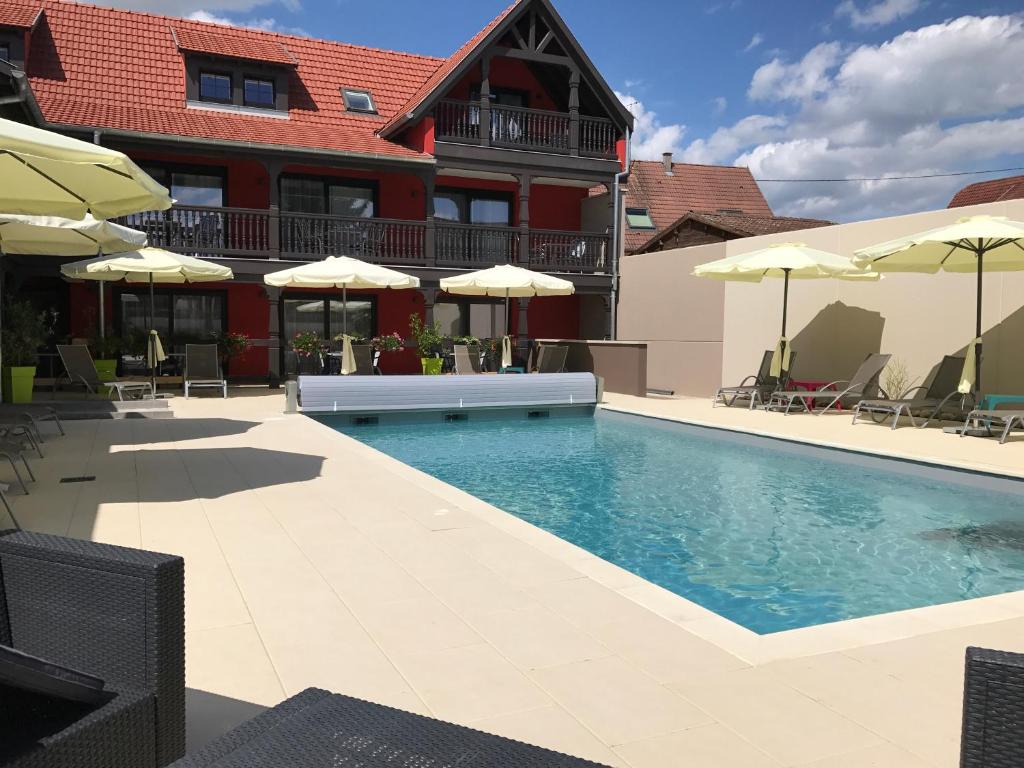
(341, 272)
(48, 174)
(973, 244)
(789, 261)
(148, 265)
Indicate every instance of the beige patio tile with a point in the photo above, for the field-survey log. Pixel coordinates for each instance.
(411, 626)
(516, 562)
(776, 718)
(551, 727)
(664, 603)
(704, 746)
(483, 593)
(587, 604)
(616, 702)
(231, 661)
(469, 683)
(534, 638)
(878, 756)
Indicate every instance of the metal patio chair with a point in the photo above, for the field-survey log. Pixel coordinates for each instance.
(941, 398)
(551, 358)
(863, 385)
(757, 387)
(467, 359)
(80, 369)
(202, 369)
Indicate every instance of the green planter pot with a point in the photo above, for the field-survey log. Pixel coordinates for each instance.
(17, 383)
(106, 369)
(431, 366)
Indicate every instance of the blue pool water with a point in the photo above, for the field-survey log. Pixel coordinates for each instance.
(768, 534)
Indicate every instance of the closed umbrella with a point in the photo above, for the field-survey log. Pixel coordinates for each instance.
(508, 281)
(974, 245)
(341, 272)
(786, 260)
(47, 174)
(148, 265)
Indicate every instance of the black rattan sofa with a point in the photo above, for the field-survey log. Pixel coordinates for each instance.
(112, 612)
(993, 726)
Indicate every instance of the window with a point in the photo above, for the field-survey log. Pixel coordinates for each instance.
(639, 218)
(258, 93)
(181, 317)
(481, 318)
(190, 186)
(5, 52)
(326, 316)
(358, 101)
(473, 207)
(215, 87)
(303, 194)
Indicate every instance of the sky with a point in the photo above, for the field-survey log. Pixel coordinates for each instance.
(795, 89)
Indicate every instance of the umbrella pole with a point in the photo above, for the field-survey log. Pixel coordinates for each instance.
(103, 320)
(785, 309)
(152, 327)
(344, 310)
(977, 325)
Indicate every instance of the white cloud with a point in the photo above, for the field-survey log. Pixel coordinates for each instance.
(718, 104)
(876, 14)
(186, 8)
(650, 136)
(755, 41)
(267, 24)
(941, 98)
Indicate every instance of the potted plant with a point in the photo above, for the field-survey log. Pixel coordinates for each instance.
(104, 351)
(308, 347)
(25, 330)
(230, 345)
(390, 342)
(428, 340)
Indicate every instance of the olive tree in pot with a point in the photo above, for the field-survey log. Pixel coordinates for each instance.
(25, 330)
(428, 340)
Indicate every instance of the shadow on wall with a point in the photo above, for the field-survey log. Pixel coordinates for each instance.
(836, 341)
(1002, 362)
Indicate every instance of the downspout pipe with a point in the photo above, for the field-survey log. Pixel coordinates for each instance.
(617, 236)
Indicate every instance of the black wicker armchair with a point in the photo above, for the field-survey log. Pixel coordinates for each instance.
(993, 726)
(112, 612)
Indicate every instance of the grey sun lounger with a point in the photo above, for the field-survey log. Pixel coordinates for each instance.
(551, 358)
(863, 385)
(941, 398)
(467, 359)
(362, 354)
(1009, 419)
(80, 369)
(202, 369)
(757, 387)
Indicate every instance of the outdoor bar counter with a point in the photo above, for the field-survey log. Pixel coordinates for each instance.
(622, 364)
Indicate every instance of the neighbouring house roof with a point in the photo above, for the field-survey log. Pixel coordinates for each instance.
(122, 70)
(1010, 188)
(19, 15)
(702, 188)
(233, 43)
(729, 227)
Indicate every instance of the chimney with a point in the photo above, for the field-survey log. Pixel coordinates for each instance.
(666, 160)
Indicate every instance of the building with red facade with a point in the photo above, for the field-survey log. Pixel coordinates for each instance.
(281, 149)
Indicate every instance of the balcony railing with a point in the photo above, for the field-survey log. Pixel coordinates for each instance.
(264, 234)
(521, 128)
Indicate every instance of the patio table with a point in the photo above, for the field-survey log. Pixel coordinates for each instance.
(992, 402)
(813, 385)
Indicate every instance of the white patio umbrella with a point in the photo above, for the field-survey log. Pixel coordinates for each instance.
(786, 260)
(974, 244)
(148, 265)
(47, 174)
(341, 272)
(509, 281)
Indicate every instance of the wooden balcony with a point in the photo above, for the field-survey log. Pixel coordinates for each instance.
(531, 129)
(247, 233)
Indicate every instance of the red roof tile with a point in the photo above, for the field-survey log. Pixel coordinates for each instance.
(1010, 188)
(20, 16)
(117, 69)
(446, 68)
(701, 188)
(232, 43)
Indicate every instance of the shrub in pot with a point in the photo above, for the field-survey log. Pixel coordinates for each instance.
(105, 350)
(428, 340)
(229, 346)
(309, 348)
(25, 330)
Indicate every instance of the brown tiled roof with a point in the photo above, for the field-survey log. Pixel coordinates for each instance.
(19, 15)
(233, 43)
(736, 225)
(1010, 188)
(702, 188)
(446, 67)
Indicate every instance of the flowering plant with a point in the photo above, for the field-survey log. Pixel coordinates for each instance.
(390, 342)
(231, 344)
(307, 343)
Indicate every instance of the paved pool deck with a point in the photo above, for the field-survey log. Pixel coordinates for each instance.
(312, 559)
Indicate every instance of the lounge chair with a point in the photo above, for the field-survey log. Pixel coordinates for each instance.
(467, 359)
(13, 449)
(941, 398)
(202, 368)
(362, 354)
(37, 419)
(80, 369)
(551, 358)
(1010, 419)
(863, 385)
(757, 387)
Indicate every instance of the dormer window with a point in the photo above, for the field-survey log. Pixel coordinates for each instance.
(639, 218)
(5, 52)
(215, 87)
(258, 92)
(358, 101)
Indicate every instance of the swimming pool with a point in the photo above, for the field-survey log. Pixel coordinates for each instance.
(769, 534)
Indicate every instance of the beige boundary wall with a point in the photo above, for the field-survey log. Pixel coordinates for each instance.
(701, 333)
